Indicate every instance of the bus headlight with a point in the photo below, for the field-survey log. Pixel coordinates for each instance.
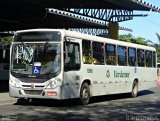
(54, 83)
(14, 81)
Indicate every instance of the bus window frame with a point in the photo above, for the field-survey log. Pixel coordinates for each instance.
(138, 57)
(126, 56)
(95, 60)
(68, 66)
(89, 57)
(115, 54)
(135, 53)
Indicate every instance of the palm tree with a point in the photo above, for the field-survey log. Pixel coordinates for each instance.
(158, 48)
(158, 37)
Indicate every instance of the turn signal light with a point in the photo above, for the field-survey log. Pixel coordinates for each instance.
(52, 93)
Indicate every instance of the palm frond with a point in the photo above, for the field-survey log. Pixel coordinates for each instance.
(158, 37)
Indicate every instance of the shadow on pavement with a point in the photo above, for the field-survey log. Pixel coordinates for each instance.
(74, 102)
(145, 92)
(118, 96)
(4, 86)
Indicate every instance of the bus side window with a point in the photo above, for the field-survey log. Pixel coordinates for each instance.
(148, 55)
(140, 57)
(72, 56)
(122, 55)
(98, 53)
(110, 51)
(86, 51)
(132, 56)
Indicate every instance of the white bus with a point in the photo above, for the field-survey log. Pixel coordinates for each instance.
(61, 64)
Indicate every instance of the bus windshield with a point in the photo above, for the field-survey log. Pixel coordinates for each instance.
(36, 60)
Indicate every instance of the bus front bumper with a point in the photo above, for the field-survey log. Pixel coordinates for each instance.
(35, 93)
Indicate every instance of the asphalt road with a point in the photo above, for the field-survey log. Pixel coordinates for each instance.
(145, 107)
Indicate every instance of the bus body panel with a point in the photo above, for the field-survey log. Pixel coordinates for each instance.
(105, 80)
(71, 85)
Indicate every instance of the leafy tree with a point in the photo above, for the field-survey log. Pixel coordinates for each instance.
(130, 38)
(140, 40)
(126, 38)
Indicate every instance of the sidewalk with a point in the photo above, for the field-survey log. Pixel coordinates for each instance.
(4, 94)
(6, 99)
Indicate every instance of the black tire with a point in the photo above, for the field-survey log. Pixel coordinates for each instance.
(134, 92)
(84, 94)
(23, 101)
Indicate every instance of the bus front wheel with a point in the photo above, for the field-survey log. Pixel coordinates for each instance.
(134, 92)
(84, 94)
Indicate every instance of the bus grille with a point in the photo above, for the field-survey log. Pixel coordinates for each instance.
(36, 86)
(33, 80)
(33, 92)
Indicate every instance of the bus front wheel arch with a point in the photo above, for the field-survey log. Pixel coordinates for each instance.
(134, 91)
(84, 94)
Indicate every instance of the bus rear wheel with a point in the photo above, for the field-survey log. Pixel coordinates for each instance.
(134, 92)
(84, 94)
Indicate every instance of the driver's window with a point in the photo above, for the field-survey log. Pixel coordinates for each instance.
(72, 56)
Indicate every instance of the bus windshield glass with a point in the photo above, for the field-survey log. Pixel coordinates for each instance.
(37, 36)
(38, 60)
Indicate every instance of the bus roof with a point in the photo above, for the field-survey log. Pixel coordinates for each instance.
(75, 34)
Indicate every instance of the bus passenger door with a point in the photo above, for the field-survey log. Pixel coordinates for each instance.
(71, 69)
